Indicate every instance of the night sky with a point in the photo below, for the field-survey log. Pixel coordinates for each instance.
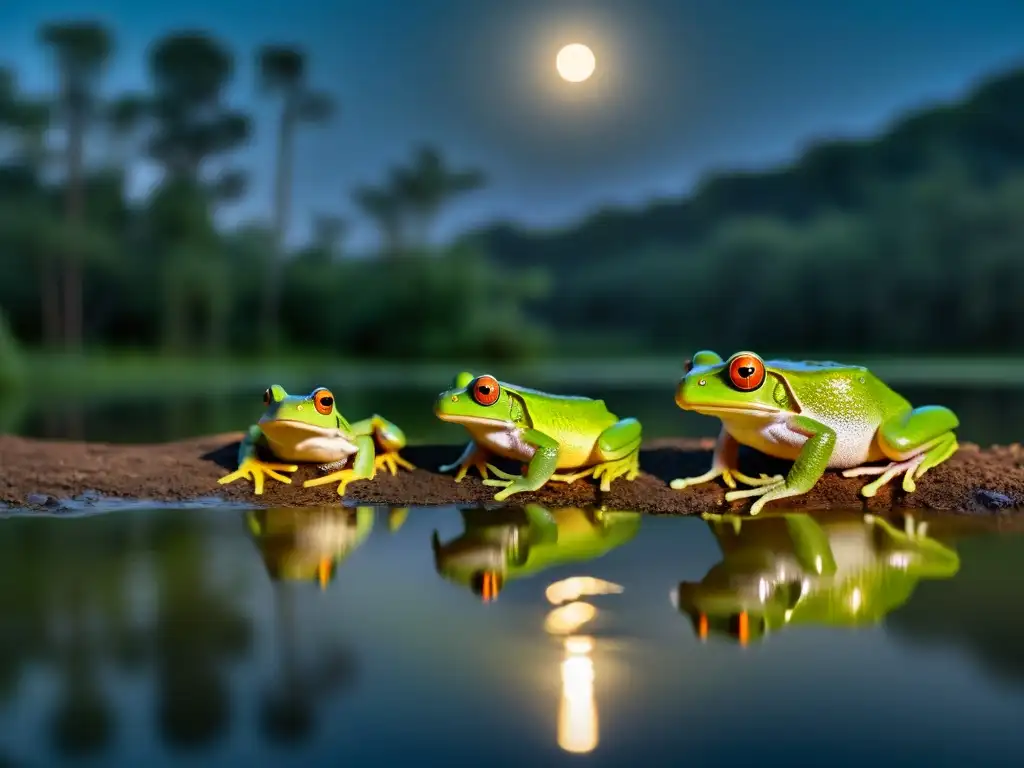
(682, 87)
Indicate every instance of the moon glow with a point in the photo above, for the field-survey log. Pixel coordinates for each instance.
(575, 63)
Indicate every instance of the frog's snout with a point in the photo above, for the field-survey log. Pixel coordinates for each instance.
(439, 404)
(681, 394)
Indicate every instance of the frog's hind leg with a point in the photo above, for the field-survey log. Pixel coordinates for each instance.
(619, 448)
(618, 451)
(914, 442)
(389, 439)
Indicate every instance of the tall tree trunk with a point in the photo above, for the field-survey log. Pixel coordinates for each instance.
(175, 311)
(75, 211)
(49, 295)
(282, 209)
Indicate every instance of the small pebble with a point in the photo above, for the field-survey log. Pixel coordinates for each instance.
(38, 499)
(993, 499)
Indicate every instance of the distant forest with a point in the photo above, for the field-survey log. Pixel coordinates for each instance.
(909, 242)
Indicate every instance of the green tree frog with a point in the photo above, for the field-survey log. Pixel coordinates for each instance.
(820, 415)
(547, 432)
(309, 429)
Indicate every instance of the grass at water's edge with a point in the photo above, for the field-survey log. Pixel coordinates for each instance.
(121, 374)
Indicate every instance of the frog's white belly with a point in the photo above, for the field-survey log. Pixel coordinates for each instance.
(855, 440)
(505, 442)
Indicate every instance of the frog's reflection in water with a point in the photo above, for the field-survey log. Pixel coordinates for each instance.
(498, 546)
(300, 546)
(310, 543)
(834, 569)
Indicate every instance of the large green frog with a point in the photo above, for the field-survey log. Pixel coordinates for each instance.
(499, 545)
(820, 415)
(790, 569)
(546, 432)
(309, 429)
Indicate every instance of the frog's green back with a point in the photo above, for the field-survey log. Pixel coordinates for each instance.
(546, 409)
(825, 386)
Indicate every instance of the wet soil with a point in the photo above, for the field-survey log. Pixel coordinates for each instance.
(39, 473)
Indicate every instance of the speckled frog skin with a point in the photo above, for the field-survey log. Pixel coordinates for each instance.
(820, 415)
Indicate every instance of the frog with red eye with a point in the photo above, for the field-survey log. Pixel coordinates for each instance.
(820, 415)
(546, 432)
(309, 429)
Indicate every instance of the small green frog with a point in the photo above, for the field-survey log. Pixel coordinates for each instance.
(550, 432)
(820, 415)
(310, 429)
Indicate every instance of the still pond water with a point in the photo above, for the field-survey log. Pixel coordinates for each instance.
(522, 636)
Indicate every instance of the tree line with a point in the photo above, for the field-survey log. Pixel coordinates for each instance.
(82, 263)
(911, 241)
(908, 241)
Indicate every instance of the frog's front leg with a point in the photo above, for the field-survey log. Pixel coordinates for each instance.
(808, 468)
(618, 447)
(391, 440)
(724, 463)
(250, 466)
(364, 467)
(540, 469)
(915, 442)
(472, 456)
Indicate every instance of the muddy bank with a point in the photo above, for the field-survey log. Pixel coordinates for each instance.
(974, 481)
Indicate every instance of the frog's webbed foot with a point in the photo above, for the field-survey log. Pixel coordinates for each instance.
(509, 483)
(729, 477)
(391, 461)
(774, 490)
(566, 478)
(627, 467)
(342, 476)
(257, 470)
(508, 477)
(572, 477)
(908, 468)
(911, 528)
(476, 461)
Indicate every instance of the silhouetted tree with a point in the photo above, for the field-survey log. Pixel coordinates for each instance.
(282, 71)
(426, 185)
(81, 50)
(190, 71)
(23, 124)
(382, 206)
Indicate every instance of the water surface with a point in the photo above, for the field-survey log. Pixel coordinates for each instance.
(429, 636)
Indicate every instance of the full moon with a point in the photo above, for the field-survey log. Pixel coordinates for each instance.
(575, 62)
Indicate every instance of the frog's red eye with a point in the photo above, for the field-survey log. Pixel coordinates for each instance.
(323, 401)
(746, 371)
(267, 397)
(485, 390)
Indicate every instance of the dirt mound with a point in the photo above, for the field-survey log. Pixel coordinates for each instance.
(38, 472)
